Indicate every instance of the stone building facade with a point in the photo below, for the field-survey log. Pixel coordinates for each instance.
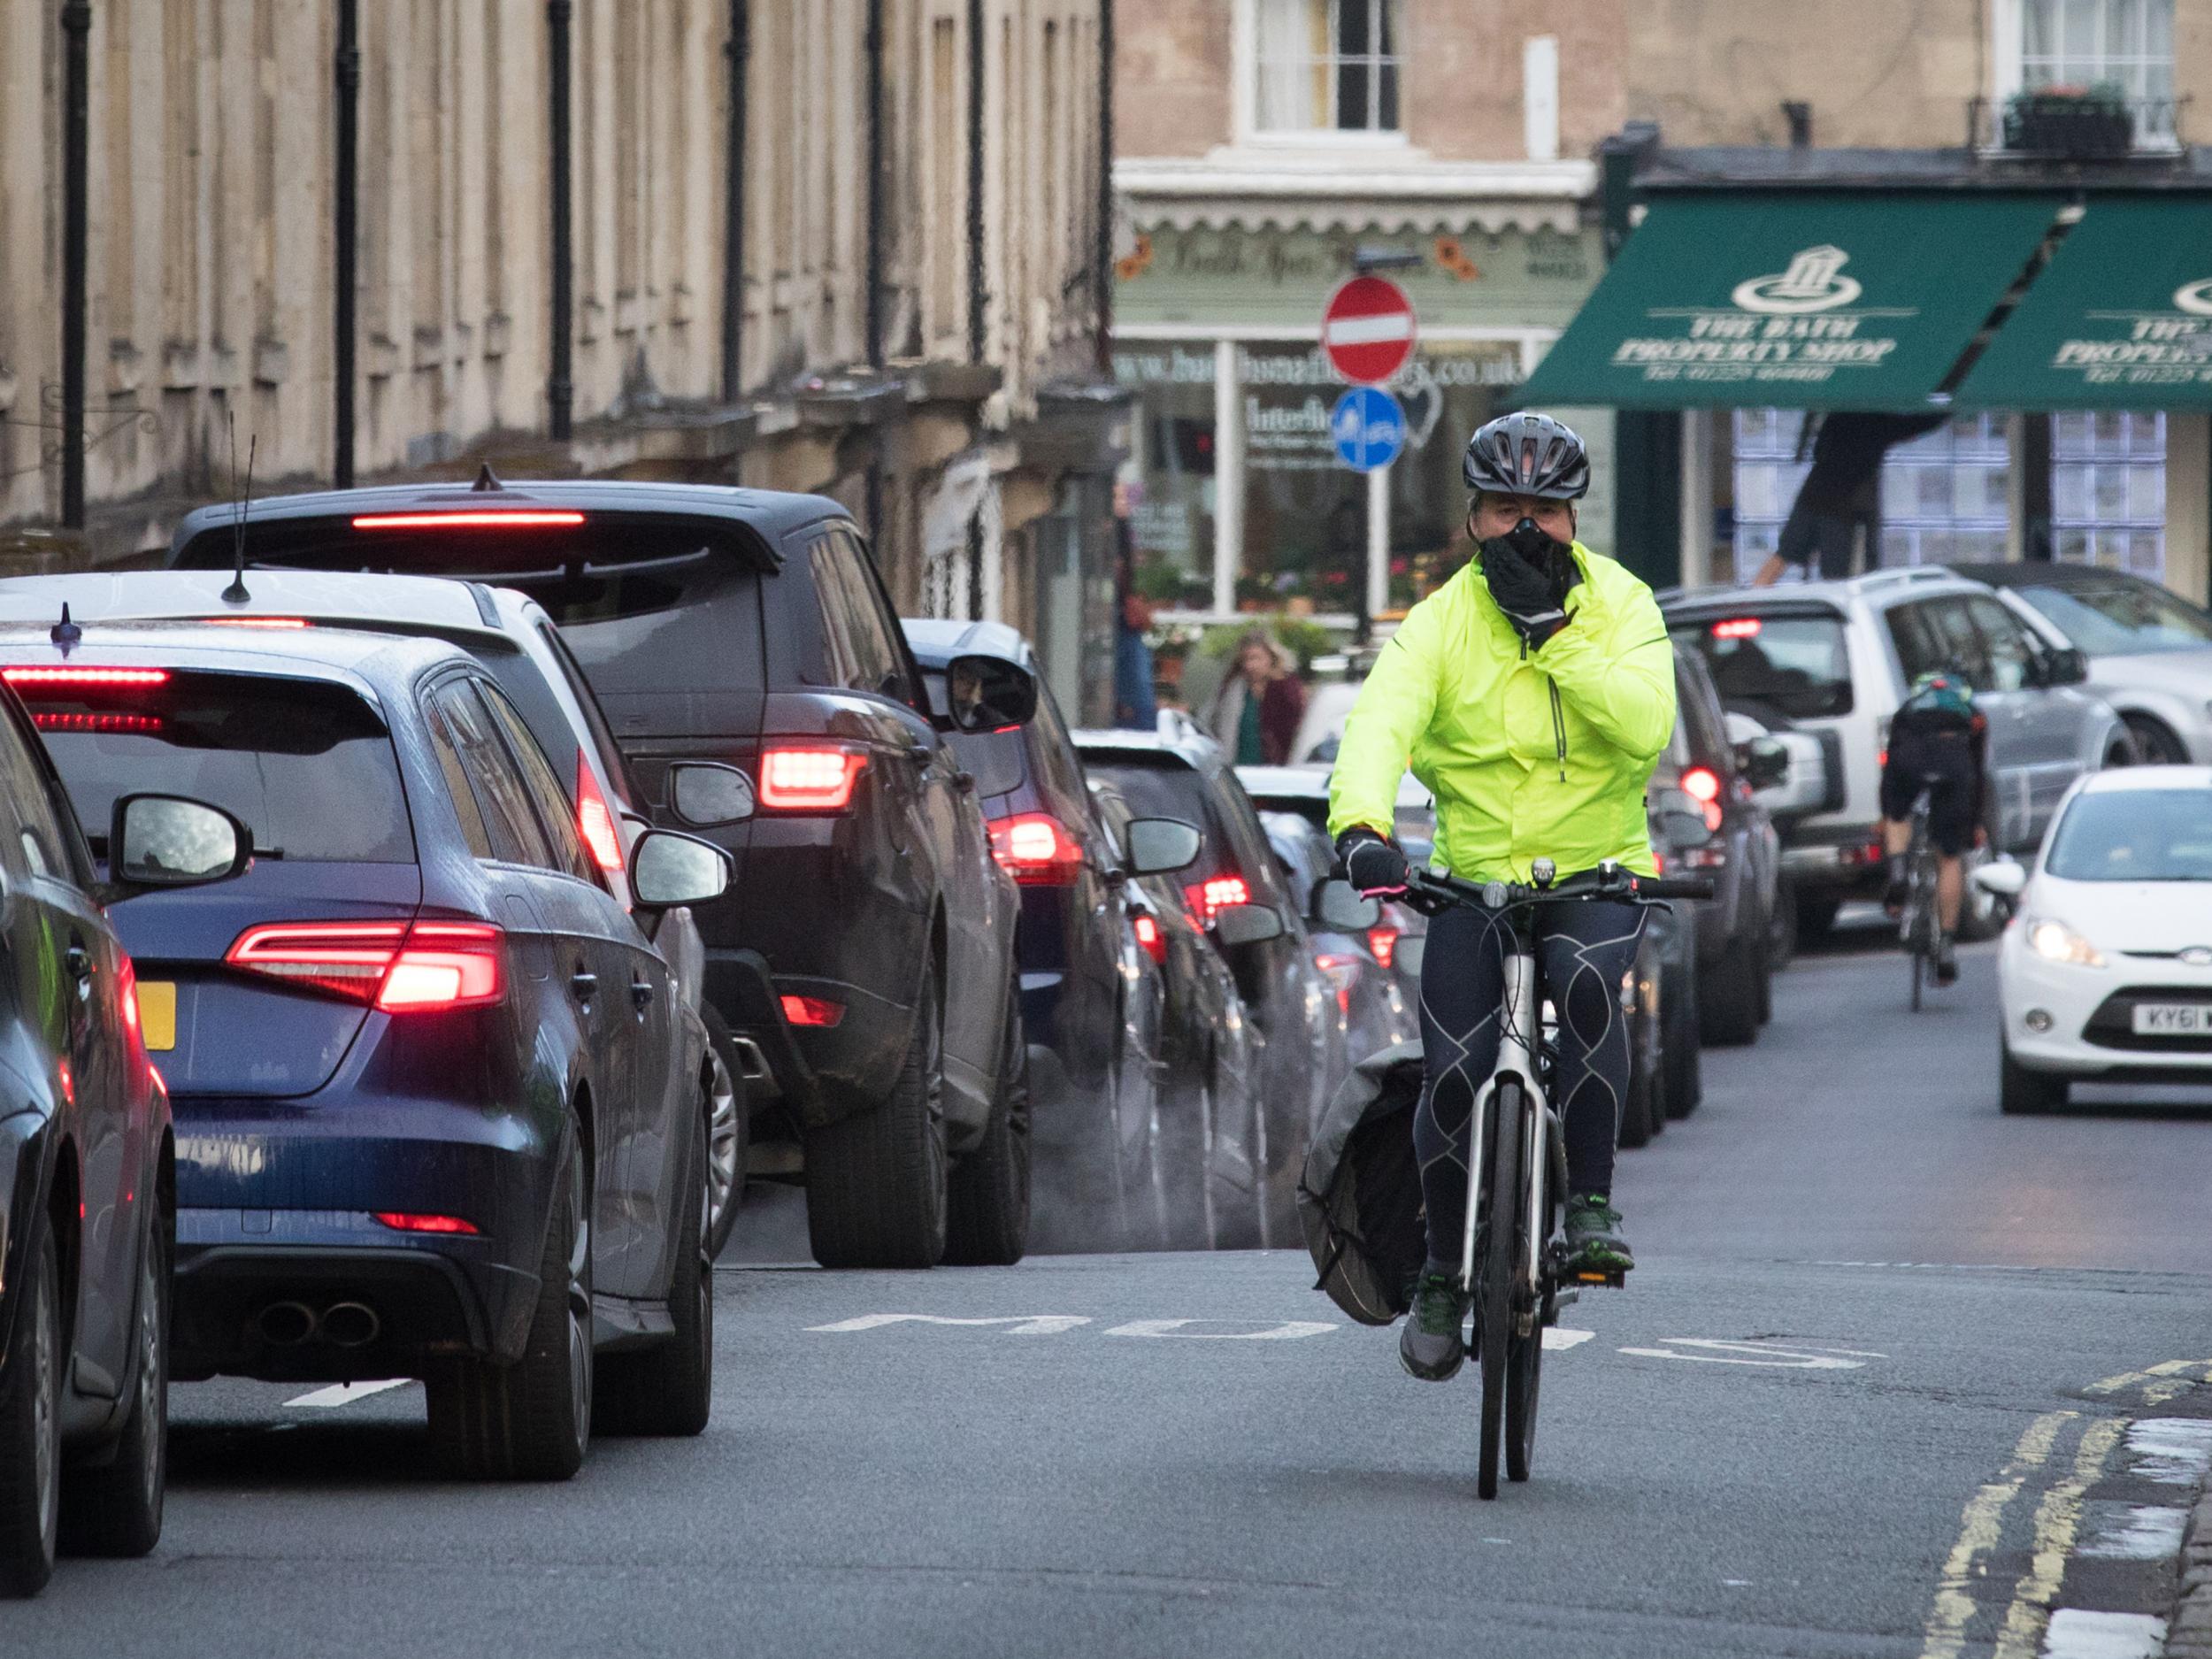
(927, 349)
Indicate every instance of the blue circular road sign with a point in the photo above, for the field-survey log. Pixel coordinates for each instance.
(1369, 427)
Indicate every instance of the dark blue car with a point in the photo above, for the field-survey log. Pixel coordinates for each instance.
(437, 1097)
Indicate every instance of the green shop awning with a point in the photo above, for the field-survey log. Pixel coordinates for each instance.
(1804, 300)
(2120, 319)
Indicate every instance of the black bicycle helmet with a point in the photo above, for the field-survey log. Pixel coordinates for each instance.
(1527, 454)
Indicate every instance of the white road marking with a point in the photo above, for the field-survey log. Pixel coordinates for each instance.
(1773, 1355)
(346, 1393)
(1558, 1338)
(2173, 1451)
(2136, 1531)
(1016, 1324)
(2078, 1635)
(1289, 1331)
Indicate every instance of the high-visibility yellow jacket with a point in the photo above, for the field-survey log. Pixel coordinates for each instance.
(1529, 754)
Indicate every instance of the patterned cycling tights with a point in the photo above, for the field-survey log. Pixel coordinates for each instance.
(1582, 949)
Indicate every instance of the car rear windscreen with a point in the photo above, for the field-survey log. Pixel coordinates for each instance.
(649, 606)
(1798, 665)
(308, 766)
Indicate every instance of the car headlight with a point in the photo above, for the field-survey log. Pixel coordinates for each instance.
(2054, 942)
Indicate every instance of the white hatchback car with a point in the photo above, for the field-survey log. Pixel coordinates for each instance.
(2106, 974)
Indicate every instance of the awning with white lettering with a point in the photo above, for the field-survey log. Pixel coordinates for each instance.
(1798, 300)
(2120, 319)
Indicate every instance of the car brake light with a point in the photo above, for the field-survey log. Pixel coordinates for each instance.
(510, 519)
(594, 822)
(1208, 899)
(1342, 972)
(134, 723)
(286, 624)
(812, 1011)
(1383, 941)
(1036, 849)
(34, 674)
(1737, 629)
(405, 1221)
(398, 966)
(811, 780)
(1702, 782)
(1153, 942)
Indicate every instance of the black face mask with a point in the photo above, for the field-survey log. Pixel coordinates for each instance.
(1528, 543)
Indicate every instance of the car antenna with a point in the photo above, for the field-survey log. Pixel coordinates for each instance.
(487, 480)
(236, 594)
(66, 635)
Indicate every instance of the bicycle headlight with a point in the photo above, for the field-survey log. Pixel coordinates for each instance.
(2054, 942)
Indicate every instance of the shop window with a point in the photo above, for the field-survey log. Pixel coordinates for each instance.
(1305, 513)
(2124, 44)
(2108, 491)
(1946, 495)
(1172, 507)
(1327, 65)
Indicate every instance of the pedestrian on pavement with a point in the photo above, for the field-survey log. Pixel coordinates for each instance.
(1255, 715)
(1134, 704)
(1841, 497)
(1531, 694)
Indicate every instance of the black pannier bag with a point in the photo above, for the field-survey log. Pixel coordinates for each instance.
(1360, 1198)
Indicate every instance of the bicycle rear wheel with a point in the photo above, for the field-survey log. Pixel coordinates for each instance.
(1494, 1276)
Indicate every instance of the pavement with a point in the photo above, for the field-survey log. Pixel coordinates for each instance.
(1897, 1376)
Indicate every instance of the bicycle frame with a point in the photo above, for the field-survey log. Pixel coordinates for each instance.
(1517, 1062)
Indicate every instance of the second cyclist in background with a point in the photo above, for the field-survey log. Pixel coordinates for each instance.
(1937, 742)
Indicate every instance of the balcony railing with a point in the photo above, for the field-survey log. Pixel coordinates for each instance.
(2064, 126)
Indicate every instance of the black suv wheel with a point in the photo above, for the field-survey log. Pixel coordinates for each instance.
(988, 1221)
(876, 1181)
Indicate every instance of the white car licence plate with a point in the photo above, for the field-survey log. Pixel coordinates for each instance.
(2173, 1019)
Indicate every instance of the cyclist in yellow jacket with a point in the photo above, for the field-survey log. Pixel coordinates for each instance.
(1532, 694)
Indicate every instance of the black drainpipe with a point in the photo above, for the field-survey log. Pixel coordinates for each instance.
(739, 51)
(1102, 253)
(875, 183)
(76, 26)
(978, 299)
(560, 391)
(348, 187)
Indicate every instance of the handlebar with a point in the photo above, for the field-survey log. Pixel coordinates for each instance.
(1607, 881)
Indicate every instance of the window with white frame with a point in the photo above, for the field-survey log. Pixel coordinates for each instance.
(2127, 44)
(1327, 65)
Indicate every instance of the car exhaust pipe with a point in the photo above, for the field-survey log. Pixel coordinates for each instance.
(350, 1324)
(286, 1324)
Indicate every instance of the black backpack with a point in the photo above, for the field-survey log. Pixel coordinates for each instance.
(1359, 1200)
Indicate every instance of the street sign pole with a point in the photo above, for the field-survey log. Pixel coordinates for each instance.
(1367, 334)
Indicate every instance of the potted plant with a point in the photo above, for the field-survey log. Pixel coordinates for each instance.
(2071, 121)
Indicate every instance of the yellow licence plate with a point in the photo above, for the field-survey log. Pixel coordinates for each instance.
(157, 1014)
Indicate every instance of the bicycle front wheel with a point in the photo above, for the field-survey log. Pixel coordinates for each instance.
(1494, 1276)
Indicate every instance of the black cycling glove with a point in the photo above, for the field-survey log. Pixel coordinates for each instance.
(1527, 573)
(1370, 864)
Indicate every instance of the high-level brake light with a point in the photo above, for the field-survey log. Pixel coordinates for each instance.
(1036, 849)
(1738, 628)
(273, 624)
(812, 778)
(512, 518)
(594, 822)
(143, 724)
(398, 966)
(35, 674)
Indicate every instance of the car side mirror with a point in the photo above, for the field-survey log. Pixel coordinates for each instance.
(1157, 845)
(168, 840)
(706, 793)
(983, 693)
(1246, 924)
(2006, 879)
(1765, 763)
(1345, 908)
(668, 868)
(2070, 667)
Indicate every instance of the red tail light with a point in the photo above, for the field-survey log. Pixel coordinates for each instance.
(1703, 782)
(812, 1010)
(1208, 899)
(1383, 941)
(405, 1221)
(1151, 938)
(30, 674)
(139, 724)
(510, 519)
(398, 966)
(817, 779)
(1036, 849)
(1343, 972)
(594, 822)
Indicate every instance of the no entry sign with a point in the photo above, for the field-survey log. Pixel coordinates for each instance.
(1367, 330)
